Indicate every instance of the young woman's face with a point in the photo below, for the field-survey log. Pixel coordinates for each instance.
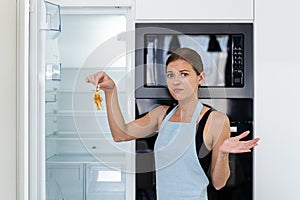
(182, 80)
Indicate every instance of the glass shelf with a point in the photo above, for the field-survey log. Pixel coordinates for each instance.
(70, 113)
(85, 136)
(87, 158)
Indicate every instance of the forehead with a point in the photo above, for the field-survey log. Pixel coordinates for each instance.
(179, 65)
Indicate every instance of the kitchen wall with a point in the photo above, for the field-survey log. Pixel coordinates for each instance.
(277, 70)
(277, 94)
(8, 122)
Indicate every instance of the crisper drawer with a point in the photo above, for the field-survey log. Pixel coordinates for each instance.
(65, 182)
(105, 182)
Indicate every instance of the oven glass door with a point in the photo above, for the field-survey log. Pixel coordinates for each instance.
(215, 51)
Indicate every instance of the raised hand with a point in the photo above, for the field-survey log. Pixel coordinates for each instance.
(235, 145)
(101, 80)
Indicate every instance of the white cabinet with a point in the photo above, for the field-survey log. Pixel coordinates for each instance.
(191, 10)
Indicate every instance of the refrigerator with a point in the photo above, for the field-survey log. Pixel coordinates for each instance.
(72, 153)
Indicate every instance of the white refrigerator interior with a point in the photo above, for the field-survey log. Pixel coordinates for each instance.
(82, 162)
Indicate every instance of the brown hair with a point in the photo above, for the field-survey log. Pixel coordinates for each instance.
(188, 55)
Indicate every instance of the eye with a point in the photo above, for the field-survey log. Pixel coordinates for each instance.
(184, 74)
(170, 75)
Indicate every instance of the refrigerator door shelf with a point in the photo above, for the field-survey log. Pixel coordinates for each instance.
(52, 21)
(53, 71)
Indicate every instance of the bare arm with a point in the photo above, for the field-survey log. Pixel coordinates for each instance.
(138, 128)
(220, 128)
(120, 130)
(223, 145)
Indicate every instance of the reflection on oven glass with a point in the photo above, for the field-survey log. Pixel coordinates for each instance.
(212, 48)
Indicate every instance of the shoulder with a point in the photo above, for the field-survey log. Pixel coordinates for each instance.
(162, 111)
(219, 122)
(217, 116)
(161, 108)
(159, 111)
(218, 125)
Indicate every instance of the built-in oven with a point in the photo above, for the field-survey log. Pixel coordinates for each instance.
(227, 54)
(240, 183)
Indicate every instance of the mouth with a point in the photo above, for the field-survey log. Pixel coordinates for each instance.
(177, 90)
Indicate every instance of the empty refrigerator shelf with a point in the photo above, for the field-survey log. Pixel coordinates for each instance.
(89, 91)
(107, 159)
(68, 91)
(70, 113)
(74, 136)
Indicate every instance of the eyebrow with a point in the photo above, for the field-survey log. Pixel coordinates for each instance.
(183, 70)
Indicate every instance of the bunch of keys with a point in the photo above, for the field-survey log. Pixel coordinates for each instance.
(98, 99)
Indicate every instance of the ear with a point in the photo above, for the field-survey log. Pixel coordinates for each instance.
(201, 78)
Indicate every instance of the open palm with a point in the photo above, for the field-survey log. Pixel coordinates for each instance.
(235, 145)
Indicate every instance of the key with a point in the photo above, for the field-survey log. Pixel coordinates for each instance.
(98, 99)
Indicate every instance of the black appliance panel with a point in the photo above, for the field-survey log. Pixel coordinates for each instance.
(235, 109)
(240, 113)
(234, 80)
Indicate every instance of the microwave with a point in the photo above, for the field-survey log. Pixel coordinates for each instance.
(226, 50)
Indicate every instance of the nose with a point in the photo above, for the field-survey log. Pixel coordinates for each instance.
(176, 80)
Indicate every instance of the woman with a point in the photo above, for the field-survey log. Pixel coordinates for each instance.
(178, 172)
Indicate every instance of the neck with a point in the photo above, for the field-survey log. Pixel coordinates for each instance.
(187, 107)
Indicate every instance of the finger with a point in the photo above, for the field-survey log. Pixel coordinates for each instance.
(88, 79)
(94, 78)
(241, 150)
(243, 135)
(104, 85)
(244, 151)
(250, 141)
(253, 141)
(91, 79)
(249, 144)
(246, 147)
(99, 78)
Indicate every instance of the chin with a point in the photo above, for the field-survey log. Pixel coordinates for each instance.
(174, 96)
(177, 97)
